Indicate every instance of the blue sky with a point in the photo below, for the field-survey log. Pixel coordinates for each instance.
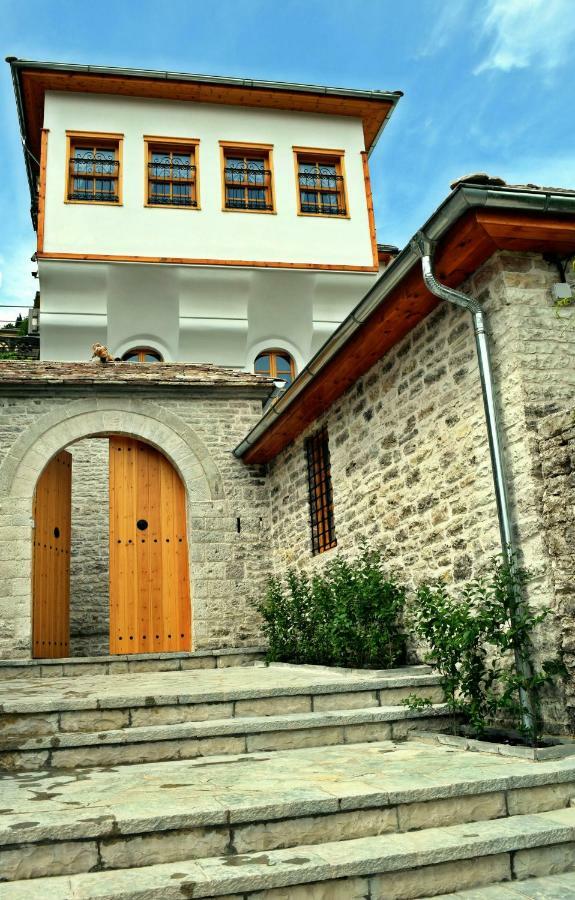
(488, 85)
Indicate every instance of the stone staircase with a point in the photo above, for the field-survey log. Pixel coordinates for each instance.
(277, 782)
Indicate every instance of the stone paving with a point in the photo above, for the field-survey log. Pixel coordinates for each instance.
(317, 780)
(551, 887)
(196, 686)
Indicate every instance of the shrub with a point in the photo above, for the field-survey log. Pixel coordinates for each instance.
(349, 615)
(473, 635)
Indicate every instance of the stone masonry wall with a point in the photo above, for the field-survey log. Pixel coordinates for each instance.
(409, 454)
(228, 535)
(557, 454)
(89, 558)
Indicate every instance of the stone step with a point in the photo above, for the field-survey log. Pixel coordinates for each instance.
(389, 867)
(48, 707)
(65, 823)
(125, 663)
(549, 887)
(187, 740)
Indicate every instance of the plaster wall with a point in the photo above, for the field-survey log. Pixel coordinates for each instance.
(207, 233)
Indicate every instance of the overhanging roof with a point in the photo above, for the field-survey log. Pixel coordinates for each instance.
(32, 79)
(469, 226)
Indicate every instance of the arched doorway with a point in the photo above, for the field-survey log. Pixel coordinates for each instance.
(149, 593)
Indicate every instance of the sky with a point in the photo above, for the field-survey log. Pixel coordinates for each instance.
(488, 86)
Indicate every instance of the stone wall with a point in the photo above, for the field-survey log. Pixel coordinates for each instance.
(89, 558)
(557, 454)
(228, 508)
(409, 453)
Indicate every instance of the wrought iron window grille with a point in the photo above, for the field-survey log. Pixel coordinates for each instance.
(327, 187)
(244, 179)
(94, 176)
(320, 492)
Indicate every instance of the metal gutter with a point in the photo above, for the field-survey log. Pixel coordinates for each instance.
(463, 198)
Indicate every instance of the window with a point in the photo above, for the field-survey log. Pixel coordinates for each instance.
(172, 173)
(320, 492)
(247, 177)
(142, 354)
(94, 163)
(277, 364)
(320, 182)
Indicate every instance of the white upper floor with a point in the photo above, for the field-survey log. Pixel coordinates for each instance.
(248, 175)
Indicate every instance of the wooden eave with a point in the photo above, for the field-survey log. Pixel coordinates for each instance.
(466, 246)
(35, 82)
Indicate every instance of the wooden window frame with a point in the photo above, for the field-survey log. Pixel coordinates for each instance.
(273, 352)
(331, 157)
(187, 145)
(142, 351)
(320, 492)
(266, 150)
(78, 137)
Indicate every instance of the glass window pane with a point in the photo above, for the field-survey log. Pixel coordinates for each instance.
(262, 364)
(283, 364)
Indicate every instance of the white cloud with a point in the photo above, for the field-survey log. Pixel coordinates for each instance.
(524, 33)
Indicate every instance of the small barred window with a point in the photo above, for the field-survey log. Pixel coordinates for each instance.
(320, 492)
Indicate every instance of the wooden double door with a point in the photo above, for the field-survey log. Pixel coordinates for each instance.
(150, 608)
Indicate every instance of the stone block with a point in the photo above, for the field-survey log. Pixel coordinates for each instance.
(293, 740)
(348, 700)
(538, 861)
(221, 744)
(540, 799)
(451, 811)
(396, 696)
(40, 860)
(368, 731)
(94, 720)
(172, 715)
(198, 662)
(313, 829)
(273, 706)
(163, 847)
(26, 761)
(27, 726)
(341, 889)
(442, 878)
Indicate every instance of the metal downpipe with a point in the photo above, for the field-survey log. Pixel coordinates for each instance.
(425, 248)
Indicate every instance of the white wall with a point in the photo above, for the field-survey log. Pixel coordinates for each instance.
(208, 233)
(222, 315)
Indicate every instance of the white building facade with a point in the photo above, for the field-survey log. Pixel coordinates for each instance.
(197, 220)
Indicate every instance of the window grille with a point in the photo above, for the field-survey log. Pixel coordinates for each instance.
(172, 176)
(94, 173)
(247, 181)
(320, 492)
(321, 186)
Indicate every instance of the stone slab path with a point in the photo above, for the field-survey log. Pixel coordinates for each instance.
(142, 798)
(197, 686)
(550, 887)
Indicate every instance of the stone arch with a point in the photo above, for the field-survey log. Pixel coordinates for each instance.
(162, 429)
(57, 429)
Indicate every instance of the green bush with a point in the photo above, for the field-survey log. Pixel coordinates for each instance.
(473, 633)
(349, 615)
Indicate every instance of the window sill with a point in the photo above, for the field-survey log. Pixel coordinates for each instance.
(259, 212)
(323, 216)
(92, 203)
(172, 206)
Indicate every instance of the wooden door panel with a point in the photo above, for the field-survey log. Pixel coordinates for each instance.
(150, 609)
(51, 559)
